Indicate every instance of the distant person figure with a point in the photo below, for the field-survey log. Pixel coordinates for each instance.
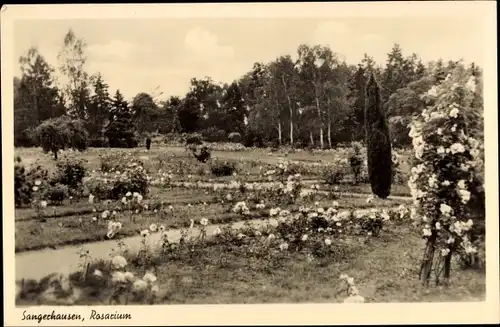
(148, 143)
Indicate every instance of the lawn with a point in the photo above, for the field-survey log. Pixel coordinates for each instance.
(73, 223)
(239, 269)
(385, 269)
(251, 163)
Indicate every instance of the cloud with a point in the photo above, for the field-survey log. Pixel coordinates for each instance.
(114, 50)
(203, 45)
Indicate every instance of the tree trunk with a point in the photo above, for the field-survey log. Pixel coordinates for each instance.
(279, 132)
(311, 137)
(279, 121)
(447, 268)
(321, 142)
(428, 261)
(289, 108)
(35, 103)
(329, 135)
(329, 125)
(55, 154)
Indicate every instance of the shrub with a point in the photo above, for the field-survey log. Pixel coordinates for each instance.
(356, 161)
(114, 161)
(99, 143)
(397, 174)
(57, 193)
(70, 172)
(399, 131)
(127, 143)
(25, 138)
(446, 187)
(214, 134)
(27, 182)
(222, 168)
(253, 139)
(194, 139)
(101, 189)
(79, 137)
(334, 174)
(121, 132)
(203, 155)
(234, 137)
(378, 142)
(132, 179)
(60, 133)
(22, 190)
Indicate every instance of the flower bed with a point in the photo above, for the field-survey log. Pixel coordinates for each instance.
(310, 231)
(446, 182)
(298, 257)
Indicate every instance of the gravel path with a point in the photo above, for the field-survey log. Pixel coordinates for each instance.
(65, 260)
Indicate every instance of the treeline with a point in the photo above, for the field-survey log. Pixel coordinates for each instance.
(317, 100)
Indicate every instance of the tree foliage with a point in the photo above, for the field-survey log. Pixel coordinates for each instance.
(121, 131)
(72, 60)
(61, 133)
(310, 98)
(36, 98)
(378, 141)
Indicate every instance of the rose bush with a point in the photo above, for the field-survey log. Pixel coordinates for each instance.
(445, 185)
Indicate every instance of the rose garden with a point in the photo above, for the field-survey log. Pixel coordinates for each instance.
(197, 220)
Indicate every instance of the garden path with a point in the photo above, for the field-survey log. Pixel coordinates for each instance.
(40, 263)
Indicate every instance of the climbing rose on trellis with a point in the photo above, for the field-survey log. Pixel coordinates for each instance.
(443, 180)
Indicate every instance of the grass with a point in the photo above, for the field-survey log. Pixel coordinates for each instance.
(248, 162)
(82, 207)
(385, 269)
(396, 189)
(73, 224)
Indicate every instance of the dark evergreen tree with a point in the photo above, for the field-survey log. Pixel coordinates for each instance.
(36, 98)
(120, 131)
(356, 99)
(99, 107)
(378, 141)
(439, 72)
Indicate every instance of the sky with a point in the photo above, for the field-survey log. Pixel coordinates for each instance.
(139, 55)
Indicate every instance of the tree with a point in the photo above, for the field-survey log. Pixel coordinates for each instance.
(284, 77)
(120, 131)
(378, 141)
(99, 106)
(402, 107)
(307, 122)
(118, 106)
(263, 116)
(311, 66)
(201, 108)
(356, 98)
(144, 110)
(335, 92)
(36, 98)
(234, 109)
(72, 61)
(168, 120)
(393, 76)
(59, 133)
